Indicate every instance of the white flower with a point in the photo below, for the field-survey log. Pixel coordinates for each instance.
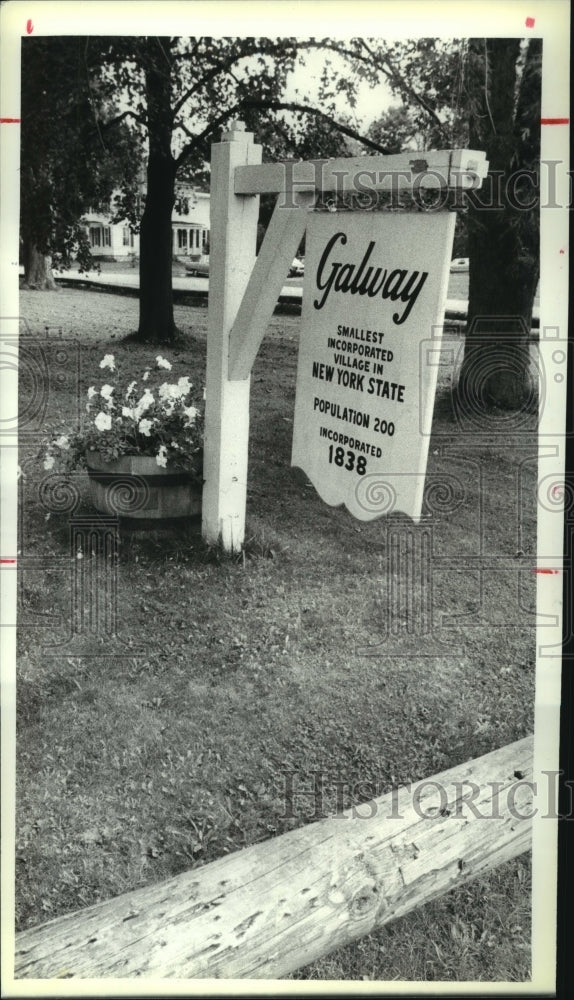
(49, 462)
(144, 404)
(130, 389)
(174, 444)
(145, 375)
(168, 394)
(108, 362)
(106, 391)
(184, 385)
(191, 413)
(103, 421)
(92, 391)
(128, 412)
(161, 457)
(62, 442)
(145, 426)
(167, 391)
(163, 363)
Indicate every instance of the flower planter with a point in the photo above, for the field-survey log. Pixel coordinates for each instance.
(138, 490)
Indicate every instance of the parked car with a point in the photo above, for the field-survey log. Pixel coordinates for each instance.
(459, 264)
(198, 265)
(297, 269)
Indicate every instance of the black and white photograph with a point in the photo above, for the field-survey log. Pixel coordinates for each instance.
(283, 429)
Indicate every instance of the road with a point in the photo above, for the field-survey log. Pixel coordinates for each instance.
(292, 291)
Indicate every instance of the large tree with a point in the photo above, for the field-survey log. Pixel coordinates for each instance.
(504, 120)
(95, 109)
(180, 94)
(70, 160)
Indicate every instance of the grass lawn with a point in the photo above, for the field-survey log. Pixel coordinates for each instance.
(147, 754)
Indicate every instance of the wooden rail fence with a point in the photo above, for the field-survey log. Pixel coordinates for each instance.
(267, 910)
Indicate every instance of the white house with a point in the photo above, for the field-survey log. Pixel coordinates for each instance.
(190, 228)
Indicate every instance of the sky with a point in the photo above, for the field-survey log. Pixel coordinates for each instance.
(371, 102)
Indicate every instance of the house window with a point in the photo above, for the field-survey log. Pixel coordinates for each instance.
(204, 239)
(128, 237)
(100, 236)
(182, 239)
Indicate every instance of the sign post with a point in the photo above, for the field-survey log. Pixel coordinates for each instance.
(233, 241)
(375, 286)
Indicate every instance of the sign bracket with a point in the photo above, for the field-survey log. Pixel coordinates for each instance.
(281, 242)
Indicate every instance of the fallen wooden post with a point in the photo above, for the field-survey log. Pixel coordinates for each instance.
(265, 911)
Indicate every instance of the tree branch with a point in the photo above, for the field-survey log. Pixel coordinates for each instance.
(316, 113)
(393, 74)
(104, 126)
(224, 65)
(218, 67)
(264, 105)
(200, 137)
(389, 71)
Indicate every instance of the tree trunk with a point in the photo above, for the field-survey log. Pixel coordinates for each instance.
(503, 239)
(38, 270)
(497, 370)
(156, 320)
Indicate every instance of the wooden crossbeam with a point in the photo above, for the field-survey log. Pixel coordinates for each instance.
(274, 907)
(279, 246)
(447, 168)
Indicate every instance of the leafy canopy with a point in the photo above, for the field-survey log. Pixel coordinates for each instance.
(70, 159)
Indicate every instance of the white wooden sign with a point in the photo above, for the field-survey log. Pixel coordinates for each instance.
(374, 291)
